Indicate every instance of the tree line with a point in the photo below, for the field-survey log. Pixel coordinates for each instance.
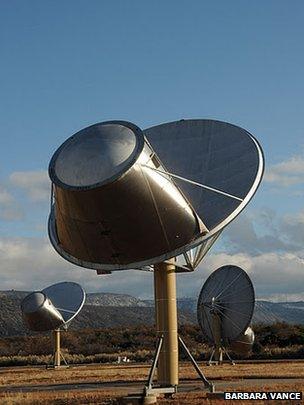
(279, 340)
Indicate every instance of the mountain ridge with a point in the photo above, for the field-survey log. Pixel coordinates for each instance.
(112, 310)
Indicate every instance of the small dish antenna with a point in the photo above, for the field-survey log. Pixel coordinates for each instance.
(52, 309)
(225, 309)
(243, 344)
(155, 200)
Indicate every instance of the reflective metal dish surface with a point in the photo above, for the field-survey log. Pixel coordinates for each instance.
(227, 292)
(67, 297)
(216, 154)
(39, 313)
(96, 155)
(243, 344)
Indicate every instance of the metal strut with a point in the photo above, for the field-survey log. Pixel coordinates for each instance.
(218, 349)
(195, 365)
(57, 354)
(149, 386)
(155, 360)
(223, 351)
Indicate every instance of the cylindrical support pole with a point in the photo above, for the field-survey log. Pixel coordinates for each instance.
(217, 336)
(166, 322)
(57, 355)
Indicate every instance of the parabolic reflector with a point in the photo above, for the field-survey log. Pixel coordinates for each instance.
(53, 307)
(228, 293)
(218, 166)
(127, 199)
(67, 297)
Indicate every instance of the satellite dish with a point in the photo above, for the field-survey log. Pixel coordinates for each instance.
(53, 308)
(118, 191)
(225, 307)
(123, 198)
(243, 344)
(39, 314)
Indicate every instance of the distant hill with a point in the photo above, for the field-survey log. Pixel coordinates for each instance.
(114, 310)
(100, 310)
(114, 300)
(265, 311)
(270, 312)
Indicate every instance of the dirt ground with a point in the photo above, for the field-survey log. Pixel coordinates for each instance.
(106, 384)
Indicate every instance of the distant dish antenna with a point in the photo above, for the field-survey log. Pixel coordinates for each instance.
(243, 344)
(154, 200)
(225, 309)
(52, 309)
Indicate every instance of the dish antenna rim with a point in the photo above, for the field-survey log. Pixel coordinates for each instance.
(138, 133)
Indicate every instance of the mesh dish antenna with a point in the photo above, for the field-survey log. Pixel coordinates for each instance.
(225, 309)
(51, 309)
(157, 199)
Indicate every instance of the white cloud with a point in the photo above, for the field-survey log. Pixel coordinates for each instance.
(241, 235)
(31, 263)
(271, 273)
(36, 184)
(293, 227)
(5, 196)
(9, 209)
(287, 173)
(11, 213)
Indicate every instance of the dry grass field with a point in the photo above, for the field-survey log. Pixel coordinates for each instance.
(289, 376)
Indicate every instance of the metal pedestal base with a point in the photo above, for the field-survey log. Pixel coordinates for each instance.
(221, 361)
(57, 356)
(151, 389)
(53, 364)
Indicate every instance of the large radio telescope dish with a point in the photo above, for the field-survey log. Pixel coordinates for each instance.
(228, 293)
(123, 198)
(126, 198)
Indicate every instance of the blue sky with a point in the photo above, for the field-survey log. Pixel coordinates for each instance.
(68, 64)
